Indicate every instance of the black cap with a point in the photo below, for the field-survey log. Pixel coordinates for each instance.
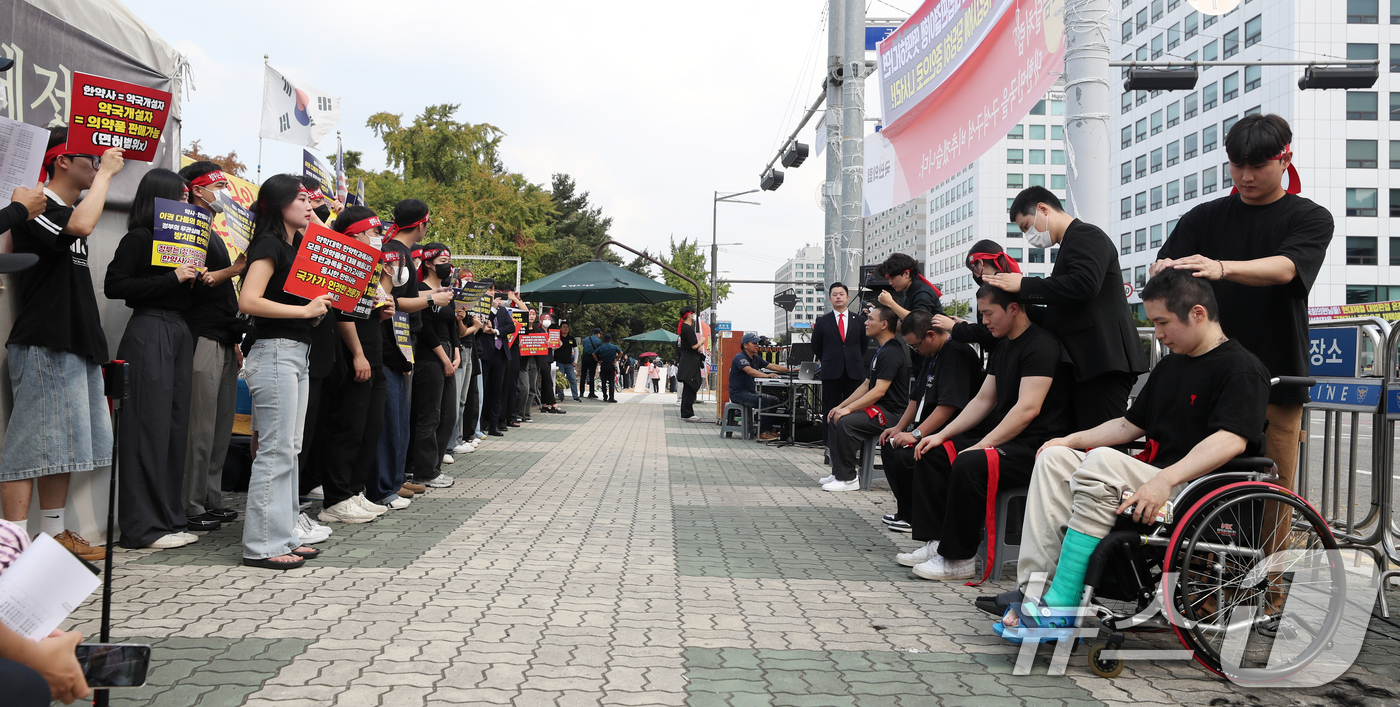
(596, 330)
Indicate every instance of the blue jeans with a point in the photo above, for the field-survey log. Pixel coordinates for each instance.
(393, 440)
(753, 400)
(60, 422)
(276, 371)
(480, 394)
(568, 369)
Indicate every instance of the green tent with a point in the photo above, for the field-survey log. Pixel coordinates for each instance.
(599, 282)
(658, 335)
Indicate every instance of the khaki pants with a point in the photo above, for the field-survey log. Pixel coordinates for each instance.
(1281, 444)
(1081, 490)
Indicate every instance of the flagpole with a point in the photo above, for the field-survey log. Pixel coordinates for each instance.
(260, 140)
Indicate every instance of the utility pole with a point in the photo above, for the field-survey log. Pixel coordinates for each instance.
(831, 188)
(852, 254)
(714, 261)
(1087, 103)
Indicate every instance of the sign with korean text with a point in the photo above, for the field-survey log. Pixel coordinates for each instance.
(1389, 311)
(534, 344)
(519, 317)
(554, 341)
(235, 224)
(371, 300)
(334, 263)
(312, 166)
(469, 297)
(180, 235)
(929, 47)
(1332, 352)
(724, 326)
(402, 336)
(107, 113)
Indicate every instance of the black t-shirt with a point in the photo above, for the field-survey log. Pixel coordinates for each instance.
(565, 353)
(213, 312)
(271, 247)
(892, 364)
(920, 296)
(1188, 398)
(398, 262)
(440, 329)
(131, 277)
(1272, 322)
(371, 341)
(1035, 353)
(57, 304)
(325, 345)
(739, 381)
(952, 377)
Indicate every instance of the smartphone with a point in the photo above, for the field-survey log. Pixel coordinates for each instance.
(111, 665)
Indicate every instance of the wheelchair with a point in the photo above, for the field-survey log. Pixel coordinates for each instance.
(1201, 574)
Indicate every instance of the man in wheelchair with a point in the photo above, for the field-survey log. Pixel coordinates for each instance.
(1200, 407)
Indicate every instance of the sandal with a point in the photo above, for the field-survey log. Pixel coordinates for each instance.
(271, 563)
(306, 553)
(999, 604)
(1038, 624)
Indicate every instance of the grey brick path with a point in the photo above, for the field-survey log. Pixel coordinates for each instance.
(617, 555)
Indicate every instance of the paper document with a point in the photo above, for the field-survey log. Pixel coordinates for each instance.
(21, 155)
(42, 587)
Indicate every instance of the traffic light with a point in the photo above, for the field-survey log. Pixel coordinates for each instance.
(795, 155)
(1338, 77)
(1169, 79)
(772, 179)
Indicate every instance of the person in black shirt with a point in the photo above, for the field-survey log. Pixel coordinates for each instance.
(873, 407)
(742, 370)
(950, 375)
(158, 351)
(56, 348)
(689, 371)
(1083, 303)
(916, 291)
(564, 358)
(1261, 248)
(1023, 399)
(983, 258)
(1202, 405)
(435, 360)
(216, 329)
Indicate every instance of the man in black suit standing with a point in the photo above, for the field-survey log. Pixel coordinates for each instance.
(1084, 306)
(839, 343)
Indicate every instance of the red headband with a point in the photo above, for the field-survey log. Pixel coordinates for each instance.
(394, 228)
(303, 190)
(428, 256)
(49, 157)
(1001, 261)
(362, 226)
(208, 178)
(936, 292)
(316, 194)
(1295, 183)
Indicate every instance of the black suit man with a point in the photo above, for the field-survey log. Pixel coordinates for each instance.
(839, 343)
(1084, 306)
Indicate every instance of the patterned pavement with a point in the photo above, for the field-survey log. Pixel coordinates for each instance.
(617, 555)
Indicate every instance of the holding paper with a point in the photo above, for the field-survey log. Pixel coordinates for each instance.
(42, 587)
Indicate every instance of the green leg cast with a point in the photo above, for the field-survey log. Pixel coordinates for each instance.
(1068, 587)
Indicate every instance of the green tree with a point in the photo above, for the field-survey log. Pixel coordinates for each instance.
(958, 308)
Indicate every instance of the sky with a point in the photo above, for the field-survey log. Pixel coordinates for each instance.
(651, 107)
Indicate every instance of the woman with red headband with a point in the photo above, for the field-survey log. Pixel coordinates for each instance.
(276, 371)
(436, 356)
(689, 371)
(984, 258)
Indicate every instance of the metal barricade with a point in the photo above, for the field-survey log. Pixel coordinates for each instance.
(1351, 359)
(1385, 476)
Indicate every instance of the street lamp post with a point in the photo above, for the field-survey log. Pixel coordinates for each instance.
(714, 260)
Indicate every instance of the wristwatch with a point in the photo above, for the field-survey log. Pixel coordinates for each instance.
(917, 434)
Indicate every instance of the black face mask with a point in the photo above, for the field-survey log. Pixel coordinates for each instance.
(443, 271)
(323, 213)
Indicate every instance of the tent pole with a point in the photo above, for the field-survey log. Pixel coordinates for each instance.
(598, 255)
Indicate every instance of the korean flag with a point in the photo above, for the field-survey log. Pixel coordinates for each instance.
(295, 112)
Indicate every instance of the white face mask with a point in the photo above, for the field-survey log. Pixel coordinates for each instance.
(1037, 238)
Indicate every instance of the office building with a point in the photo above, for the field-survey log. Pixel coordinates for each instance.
(807, 268)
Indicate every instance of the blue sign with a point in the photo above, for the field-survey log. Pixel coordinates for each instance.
(801, 325)
(1361, 395)
(1392, 402)
(875, 34)
(1332, 352)
(714, 368)
(724, 326)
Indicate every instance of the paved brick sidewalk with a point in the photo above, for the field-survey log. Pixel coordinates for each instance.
(617, 555)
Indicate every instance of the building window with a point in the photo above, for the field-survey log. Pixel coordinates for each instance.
(1395, 12)
(1141, 20)
(1140, 203)
(1141, 95)
(1361, 202)
(1173, 153)
(1057, 181)
(1361, 250)
(1188, 145)
(1209, 20)
(1189, 105)
(1188, 184)
(1037, 132)
(1126, 104)
(1173, 4)
(1173, 36)
(1173, 113)
(1361, 105)
(1361, 154)
(1363, 12)
(1013, 231)
(1125, 172)
(1015, 254)
(1361, 294)
(1395, 154)
(1141, 129)
(1127, 136)
(1125, 207)
(1253, 30)
(1127, 31)
(1015, 181)
(1208, 139)
(1036, 180)
(1191, 23)
(1125, 244)
(1015, 156)
(1253, 76)
(1057, 157)
(1157, 160)
(1156, 198)
(1226, 181)
(1140, 277)
(1362, 52)
(1256, 110)
(1208, 181)
(1157, 46)
(1211, 51)
(1171, 226)
(1017, 132)
(1394, 250)
(1228, 123)
(1140, 239)
(1057, 132)
(1037, 157)
(1038, 108)
(1173, 192)
(1230, 86)
(1232, 43)
(1209, 94)
(1395, 106)
(1036, 255)
(1156, 118)
(1141, 163)
(1157, 234)
(1157, 10)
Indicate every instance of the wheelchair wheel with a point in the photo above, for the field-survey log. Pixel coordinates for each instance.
(1231, 608)
(1101, 666)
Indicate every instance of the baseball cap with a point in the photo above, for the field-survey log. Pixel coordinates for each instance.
(749, 338)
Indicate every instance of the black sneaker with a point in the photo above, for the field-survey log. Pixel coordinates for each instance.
(900, 526)
(222, 515)
(202, 522)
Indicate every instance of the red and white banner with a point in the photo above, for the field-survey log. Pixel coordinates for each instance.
(993, 84)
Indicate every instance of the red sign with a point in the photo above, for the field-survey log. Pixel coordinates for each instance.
(554, 341)
(534, 345)
(330, 262)
(107, 113)
(1127, 289)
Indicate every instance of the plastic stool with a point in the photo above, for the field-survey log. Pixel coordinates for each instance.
(867, 463)
(1005, 552)
(728, 427)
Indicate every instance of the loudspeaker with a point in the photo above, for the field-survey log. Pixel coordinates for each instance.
(812, 432)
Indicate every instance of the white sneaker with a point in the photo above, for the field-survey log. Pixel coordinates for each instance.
(447, 459)
(399, 503)
(347, 511)
(166, 542)
(310, 532)
(834, 485)
(939, 567)
(318, 492)
(464, 448)
(826, 479)
(369, 505)
(441, 481)
(919, 556)
(188, 536)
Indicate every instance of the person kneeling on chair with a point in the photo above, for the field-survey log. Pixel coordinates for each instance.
(1202, 406)
(874, 407)
(745, 367)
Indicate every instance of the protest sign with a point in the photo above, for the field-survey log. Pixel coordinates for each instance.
(235, 229)
(554, 341)
(1389, 311)
(467, 296)
(402, 336)
(534, 344)
(107, 113)
(370, 300)
(334, 263)
(313, 167)
(519, 316)
(180, 235)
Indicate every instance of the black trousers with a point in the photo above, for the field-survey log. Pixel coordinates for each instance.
(834, 392)
(493, 377)
(354, 417)
(510, 393)
(950, 497)
(470, 413)
(590, 369)
(899, 471)
(608, 374)
(155, 426)
(545, 380)
(311, 466)
(1099, 399)
(844, 440)
(432, 391)
(24, 686)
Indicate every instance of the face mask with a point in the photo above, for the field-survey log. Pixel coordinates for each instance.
(1037, 238)
(443, 270)
(323, 213)
(546, 322)
(216, 201)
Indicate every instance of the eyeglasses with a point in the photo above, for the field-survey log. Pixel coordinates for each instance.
(96, 159)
